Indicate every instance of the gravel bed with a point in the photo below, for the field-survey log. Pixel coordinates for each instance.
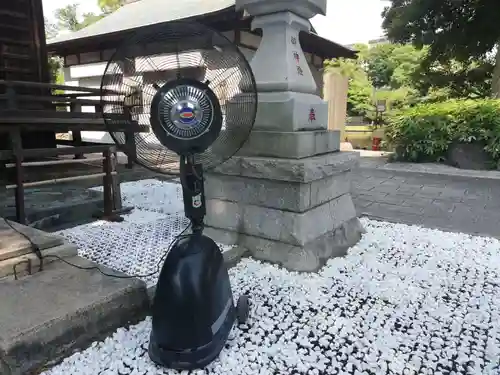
(405, 300)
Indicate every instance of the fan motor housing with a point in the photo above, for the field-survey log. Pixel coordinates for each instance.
(186, 116)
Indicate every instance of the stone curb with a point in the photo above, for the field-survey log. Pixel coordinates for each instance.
(464, 176)
(422, 225)
(48, 316)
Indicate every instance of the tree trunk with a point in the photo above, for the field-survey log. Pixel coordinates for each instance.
(495, 86)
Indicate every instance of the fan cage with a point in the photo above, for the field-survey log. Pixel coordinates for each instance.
(181, 49)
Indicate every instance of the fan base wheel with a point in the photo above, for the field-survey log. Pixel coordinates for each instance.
(242, 309)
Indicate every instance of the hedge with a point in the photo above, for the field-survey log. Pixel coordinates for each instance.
(424, 133)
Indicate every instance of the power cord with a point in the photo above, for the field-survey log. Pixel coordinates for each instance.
(36, 249)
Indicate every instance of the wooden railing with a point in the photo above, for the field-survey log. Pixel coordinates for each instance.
(112, 207)
(47, 111)
(32, 106)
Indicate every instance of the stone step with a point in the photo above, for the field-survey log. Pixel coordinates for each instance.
(14, 242)
(23, 263)
(47, 316)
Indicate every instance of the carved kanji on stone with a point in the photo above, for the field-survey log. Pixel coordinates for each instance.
(312, 115)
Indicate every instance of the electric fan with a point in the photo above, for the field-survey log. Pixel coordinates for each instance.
(197, 93)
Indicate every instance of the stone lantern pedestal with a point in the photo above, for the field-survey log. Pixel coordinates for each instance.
(286, 195)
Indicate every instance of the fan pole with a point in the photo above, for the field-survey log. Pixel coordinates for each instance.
(193, 192)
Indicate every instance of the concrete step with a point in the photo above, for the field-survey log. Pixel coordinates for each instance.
(29, 263)
(14, 242)
(47, 316)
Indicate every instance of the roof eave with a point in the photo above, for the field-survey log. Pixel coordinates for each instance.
(58, 47)
(324, 48)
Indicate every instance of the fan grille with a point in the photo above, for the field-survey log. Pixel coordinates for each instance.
(148, 60)
(181, 101)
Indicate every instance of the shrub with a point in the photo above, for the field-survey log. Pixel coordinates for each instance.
(425, 132)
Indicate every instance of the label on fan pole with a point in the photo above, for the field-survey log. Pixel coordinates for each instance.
(197, 201)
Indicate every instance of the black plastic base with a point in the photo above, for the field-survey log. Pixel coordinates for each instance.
(193, 310)
(196, 358)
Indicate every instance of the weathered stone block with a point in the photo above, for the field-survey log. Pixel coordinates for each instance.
(289, 196)
(290, 170)
(291, 111)
(292, 145)
(274, 224)
(307, 258)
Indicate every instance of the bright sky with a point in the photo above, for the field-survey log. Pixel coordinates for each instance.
(347, 21)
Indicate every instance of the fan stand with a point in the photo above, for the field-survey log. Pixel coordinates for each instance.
(193, 309)
(191, 175)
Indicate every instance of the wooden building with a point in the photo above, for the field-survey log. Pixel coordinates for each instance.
(23, 56)
(87, 51)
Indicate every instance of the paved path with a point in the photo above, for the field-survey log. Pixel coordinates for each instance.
(448, 202)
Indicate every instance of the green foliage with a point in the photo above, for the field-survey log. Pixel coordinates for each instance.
(360, 92)
(381, 72)
(424, 132)
(55, 67)
(454, 79)
(379, 65)
(109, 6)
(462, 31)
(68, 18)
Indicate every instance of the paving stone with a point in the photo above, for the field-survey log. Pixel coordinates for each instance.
(360, 202)
(454, 203)
(412, 201)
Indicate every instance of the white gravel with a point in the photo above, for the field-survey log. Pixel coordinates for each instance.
(405, 300)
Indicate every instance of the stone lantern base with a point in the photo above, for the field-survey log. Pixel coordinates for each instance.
(294, 212)
(286, 196)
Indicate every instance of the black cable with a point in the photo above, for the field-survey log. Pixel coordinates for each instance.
(37, 251)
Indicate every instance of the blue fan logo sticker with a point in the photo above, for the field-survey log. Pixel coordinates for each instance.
(187, 115)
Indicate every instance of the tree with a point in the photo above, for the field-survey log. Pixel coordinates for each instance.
(51, 29)
(437, 81)
(54, 63)
(379, 66)
(67, 19)
(359, 96)
(455, 30)
(68, 16)
(109, 6)
(383, 72)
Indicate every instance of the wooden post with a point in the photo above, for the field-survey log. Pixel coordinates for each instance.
(117, 194)
(11, 97)
(17, 149)
(130, 142)
(77, 134)
(111, 189)
(335, 93)
(107, 183)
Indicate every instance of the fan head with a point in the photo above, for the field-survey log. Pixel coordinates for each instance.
(191, 90)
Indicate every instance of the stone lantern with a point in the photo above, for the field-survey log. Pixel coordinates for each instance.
(286, 196)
